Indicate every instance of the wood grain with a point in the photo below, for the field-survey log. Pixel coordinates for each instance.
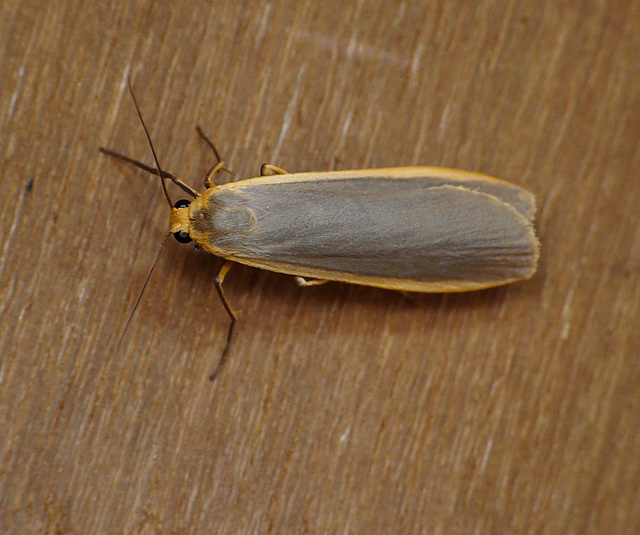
(342, 409)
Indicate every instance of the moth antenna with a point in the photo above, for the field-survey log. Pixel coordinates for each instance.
(144, 286)
(184, 187)
(161, 173)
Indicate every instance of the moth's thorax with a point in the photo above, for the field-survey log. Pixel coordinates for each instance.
(183, 219)
(196, 220)
(179, 220)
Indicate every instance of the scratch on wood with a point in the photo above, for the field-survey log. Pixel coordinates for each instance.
(9, 235)
(372, 139)
(424, 131)
(566, 313)
(347, 123)
(417, 59)
(262, 28)
(485, 457)
(353, 48)
(288, 115)
(442, 127)
(345, 130)
(14, 97)
(125, 75)
(121, 91)
(398, 19)
(266, 82)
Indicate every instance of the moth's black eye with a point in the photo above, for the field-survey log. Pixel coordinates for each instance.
(181, 236)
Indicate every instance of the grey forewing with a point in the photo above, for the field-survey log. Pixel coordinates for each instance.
(519, 198)
(400, 228)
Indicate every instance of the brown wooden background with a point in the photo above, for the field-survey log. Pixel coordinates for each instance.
(342, 409)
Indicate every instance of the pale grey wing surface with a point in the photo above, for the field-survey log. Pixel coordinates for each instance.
(375, 227)
(519, 198)
(522, 200)
(427, 177)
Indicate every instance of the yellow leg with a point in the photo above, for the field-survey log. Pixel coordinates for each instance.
(222, 272)
(219, 166)
(304, 283)
(211, 172)
(274, 170)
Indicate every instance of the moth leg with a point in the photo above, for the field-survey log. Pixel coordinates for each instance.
(219, 166)
(265, 167)
(222, 272)
(211, 172)
(184, 187)
(305, 283)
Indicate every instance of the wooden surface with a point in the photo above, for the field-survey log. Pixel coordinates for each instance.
(342, 409)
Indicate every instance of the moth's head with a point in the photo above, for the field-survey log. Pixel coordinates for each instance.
(179, 223)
